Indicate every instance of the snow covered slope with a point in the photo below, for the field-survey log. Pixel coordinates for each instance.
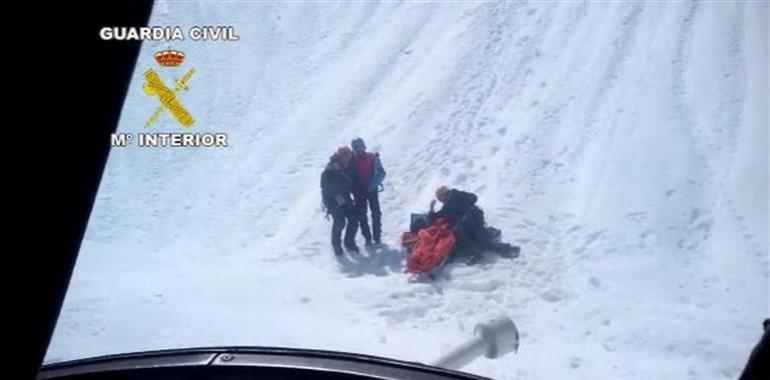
(624, 146)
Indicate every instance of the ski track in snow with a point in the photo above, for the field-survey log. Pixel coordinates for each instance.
(604, 139)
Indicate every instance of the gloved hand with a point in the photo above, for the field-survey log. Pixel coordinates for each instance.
(372, 186)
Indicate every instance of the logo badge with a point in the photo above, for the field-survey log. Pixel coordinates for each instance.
(168, 96)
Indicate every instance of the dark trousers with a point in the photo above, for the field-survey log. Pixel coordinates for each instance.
(473, 236)
(347, 220)
(372, 199)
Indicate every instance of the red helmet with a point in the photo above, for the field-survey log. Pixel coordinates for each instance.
(344, 153)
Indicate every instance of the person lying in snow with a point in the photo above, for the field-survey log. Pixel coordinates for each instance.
(467, 221)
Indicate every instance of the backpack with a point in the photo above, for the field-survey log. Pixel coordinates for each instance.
(379, 173)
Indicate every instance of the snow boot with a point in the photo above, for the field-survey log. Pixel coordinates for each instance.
(510, 251)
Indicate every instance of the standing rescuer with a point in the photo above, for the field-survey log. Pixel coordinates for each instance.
(336, 188)
(368, 174)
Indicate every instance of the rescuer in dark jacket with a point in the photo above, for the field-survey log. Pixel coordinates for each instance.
(467, 221)
(336, 190)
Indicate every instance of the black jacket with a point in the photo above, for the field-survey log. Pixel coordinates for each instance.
(458, 203)
(335, 180)
(757, 368)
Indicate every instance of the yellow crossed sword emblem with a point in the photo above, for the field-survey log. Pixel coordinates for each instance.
(153, 85)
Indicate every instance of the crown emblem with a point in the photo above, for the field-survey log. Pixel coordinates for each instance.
(169, 57)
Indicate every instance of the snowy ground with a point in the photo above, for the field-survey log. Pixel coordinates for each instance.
(624, 146)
